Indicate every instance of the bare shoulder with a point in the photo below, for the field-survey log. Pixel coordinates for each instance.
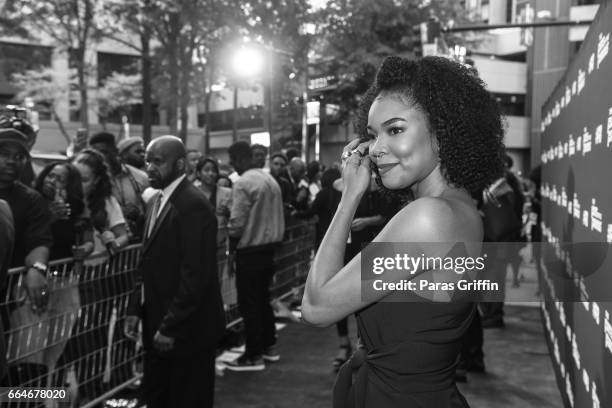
(434, 219)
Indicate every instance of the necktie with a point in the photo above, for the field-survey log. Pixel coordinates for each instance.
(154, 214)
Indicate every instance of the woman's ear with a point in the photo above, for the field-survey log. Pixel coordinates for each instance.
(435, 146)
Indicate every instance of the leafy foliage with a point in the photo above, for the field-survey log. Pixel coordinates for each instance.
(41, 86)
(360, 33)
(119, 92)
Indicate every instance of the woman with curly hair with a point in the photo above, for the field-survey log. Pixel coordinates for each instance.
(60, 184)
(428, 129)
(100, 286)
(103, 209)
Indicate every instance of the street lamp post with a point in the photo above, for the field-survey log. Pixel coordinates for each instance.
(308, 30)
(235, 115)
(247, 62)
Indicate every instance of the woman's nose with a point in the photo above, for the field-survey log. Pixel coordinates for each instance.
(377, 147)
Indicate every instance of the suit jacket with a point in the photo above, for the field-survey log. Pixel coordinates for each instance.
(7, 240)
(182, 296)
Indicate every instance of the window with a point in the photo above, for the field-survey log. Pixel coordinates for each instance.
(511, 104)
(109, 63)
(251, 117)
(17, 58)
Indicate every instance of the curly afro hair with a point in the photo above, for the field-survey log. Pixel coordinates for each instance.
(462, 115)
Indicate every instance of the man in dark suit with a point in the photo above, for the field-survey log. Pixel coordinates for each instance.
(182, 311)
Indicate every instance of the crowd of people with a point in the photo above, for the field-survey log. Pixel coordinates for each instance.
(112, 194)
(411, 167)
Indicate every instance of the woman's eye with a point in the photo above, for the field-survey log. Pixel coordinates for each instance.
(395, 130)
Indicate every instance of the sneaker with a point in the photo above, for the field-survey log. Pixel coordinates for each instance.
(271, 354)
(244, 363)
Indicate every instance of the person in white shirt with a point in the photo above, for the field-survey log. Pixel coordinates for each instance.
(256, 225)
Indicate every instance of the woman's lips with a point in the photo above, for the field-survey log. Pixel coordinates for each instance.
(383, 168)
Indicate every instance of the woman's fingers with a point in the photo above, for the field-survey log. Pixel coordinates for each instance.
(359, 155)
(365, 162)
(351, 146)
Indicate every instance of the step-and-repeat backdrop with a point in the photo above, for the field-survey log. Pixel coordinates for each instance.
(577, 221)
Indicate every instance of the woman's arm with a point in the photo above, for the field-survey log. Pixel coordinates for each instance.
(330, 256)
(359, 224)
(87, 244)
(333, 291)
(118, 226)
(121, 236)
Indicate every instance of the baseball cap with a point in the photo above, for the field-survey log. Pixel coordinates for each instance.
(15, 137)
(20, 124)
(125, 144)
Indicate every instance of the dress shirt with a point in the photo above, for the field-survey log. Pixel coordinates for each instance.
(167, 192)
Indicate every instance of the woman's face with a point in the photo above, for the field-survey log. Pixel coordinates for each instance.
(57, 177)
(208, 175)
(88, 178)
(402, 150)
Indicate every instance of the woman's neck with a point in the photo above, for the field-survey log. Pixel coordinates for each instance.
(208, 188)
(433, 185)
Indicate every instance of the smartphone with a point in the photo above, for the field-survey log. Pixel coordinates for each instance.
(81, 138)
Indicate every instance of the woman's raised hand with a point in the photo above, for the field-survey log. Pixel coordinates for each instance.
(356, 171)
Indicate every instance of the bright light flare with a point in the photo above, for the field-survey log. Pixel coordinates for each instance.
(247, 62)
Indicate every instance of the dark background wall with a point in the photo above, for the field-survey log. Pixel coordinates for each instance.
(576, 160)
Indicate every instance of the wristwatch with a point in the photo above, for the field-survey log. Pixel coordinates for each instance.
(40, 267)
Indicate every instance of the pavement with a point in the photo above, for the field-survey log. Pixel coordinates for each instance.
(518, 368)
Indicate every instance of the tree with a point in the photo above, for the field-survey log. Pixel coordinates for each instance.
(41, 86)
(135, 18)
(11, 24)
(119, 92)
(280, 26)
(187, 32)
(360, 33)
(73, 25)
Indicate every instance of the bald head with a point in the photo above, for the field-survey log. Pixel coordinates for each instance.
(170, 146)
(165, 160)
(297, 168)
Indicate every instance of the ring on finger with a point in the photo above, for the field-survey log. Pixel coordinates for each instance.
(346, 154)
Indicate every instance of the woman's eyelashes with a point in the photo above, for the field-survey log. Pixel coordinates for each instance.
(394, 130)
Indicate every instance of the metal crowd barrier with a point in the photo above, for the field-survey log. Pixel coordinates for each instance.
(78, 342)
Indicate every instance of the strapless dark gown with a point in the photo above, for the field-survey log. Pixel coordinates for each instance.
(409, 355)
